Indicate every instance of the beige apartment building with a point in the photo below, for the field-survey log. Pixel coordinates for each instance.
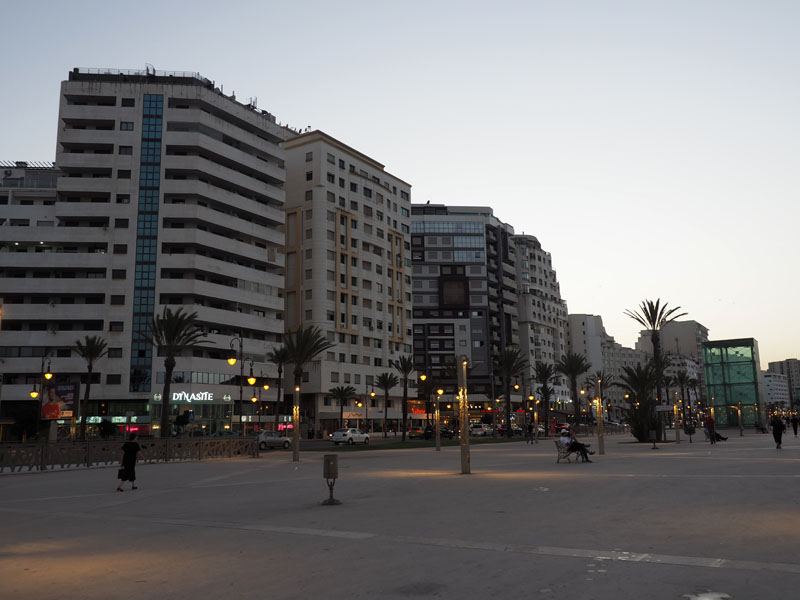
(348, 272)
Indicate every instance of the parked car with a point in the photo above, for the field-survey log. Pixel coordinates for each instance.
(348, 435)
(480, 429)
(415, 432)
(272, 439)
(516, 430)
(446, 432)
(561, 427)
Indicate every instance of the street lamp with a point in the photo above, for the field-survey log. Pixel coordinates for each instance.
(239, 356)
(436, 418)
(463, 411)
(601, 447)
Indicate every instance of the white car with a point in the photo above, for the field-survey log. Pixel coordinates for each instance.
(479, 429)
(271, 439)
(349, 436)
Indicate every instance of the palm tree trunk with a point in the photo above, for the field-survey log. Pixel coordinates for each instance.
(169, 367)
(385, 412)
(278, 399)
(85, 407)
(341, 413)
(656, 339)
(509, 433)
(573, 388)
(405, 407)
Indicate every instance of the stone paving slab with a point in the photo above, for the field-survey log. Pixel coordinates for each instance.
(688, 520)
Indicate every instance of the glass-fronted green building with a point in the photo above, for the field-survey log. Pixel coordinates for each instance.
(733, 382)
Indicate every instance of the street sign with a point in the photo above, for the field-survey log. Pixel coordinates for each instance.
(663, 408)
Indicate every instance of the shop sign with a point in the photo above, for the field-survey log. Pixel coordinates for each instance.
(187, 398)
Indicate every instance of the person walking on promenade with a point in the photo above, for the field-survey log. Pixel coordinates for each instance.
(130, 451)
(794, 424)
(530, 434)
(777, 431)
(708, 425)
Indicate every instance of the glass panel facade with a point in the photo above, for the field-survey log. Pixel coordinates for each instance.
(146, 242)
(733, 381)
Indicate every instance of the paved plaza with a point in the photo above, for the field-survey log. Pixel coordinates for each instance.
(683, 521)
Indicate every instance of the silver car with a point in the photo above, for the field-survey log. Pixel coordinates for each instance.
(348, 435)
(271, 439)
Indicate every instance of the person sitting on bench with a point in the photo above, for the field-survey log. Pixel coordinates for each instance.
(573, 445)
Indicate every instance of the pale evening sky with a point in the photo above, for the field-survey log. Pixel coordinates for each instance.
(652, 147)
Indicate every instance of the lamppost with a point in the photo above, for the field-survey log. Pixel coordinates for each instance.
(296, 424)
(423, 377)
(232, 361)
(44, 374)
(601, 447)
(436, 419)
(264, 387)
(463, 411)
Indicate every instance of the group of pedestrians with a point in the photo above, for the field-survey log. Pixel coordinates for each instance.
(779, 427)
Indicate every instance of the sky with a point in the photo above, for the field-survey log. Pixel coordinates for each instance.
(651, 147)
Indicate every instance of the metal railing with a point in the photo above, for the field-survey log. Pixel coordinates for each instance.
(47, 456)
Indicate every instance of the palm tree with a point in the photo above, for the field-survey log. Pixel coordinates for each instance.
(92, 349)
(342, 394)
(511, 364)
(172, 333)
(386, 381)
(653, 317)
(543, 374)
(640, 382)
(693, 383)
(278, 356)
(302, 346)
(572, 365)
(404, 365)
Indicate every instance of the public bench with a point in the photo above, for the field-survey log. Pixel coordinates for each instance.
(564, 452)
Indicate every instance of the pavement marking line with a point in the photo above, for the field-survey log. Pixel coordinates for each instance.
(608, 555)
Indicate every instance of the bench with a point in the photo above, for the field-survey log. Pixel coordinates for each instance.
(564, 452)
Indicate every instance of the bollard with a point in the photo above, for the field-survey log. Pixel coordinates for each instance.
(330, 471)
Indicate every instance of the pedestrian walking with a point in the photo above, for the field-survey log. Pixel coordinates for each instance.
(130, 451)
(795, 421)
(708, 425)
(777, 430)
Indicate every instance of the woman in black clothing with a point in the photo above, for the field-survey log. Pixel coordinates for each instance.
(777, 431)
(130, 451)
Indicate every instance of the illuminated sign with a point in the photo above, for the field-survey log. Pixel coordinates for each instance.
(181, 397)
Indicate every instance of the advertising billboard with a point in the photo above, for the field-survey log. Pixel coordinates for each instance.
(59, 400)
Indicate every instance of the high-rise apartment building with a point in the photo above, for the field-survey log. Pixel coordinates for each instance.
(776, 389)
(464, 296)
(542, 312)
(348, 272)
(171, 195)
(791, 368)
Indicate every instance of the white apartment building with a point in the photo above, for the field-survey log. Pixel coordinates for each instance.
(588, 336)
(171, 194)
(776, 389)
(789, 367)
(543, 315)
(348, 272)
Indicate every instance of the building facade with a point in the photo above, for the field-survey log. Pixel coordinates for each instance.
(170, 195)
(348, 272)
(733, 382)
(588, 336)
(791, 369)
(464, 299)
(543, 325)
(776, 390)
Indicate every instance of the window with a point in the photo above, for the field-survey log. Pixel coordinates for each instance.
(120, 248)
(353, 187)
(113, 379)
(367, 192)
(309, 175)
(341, 182)
(118, 274)
(126, 150)
(331, 159)
(121, 223)
(123, 198)
(331, 178)
(126, 125)
(115, 326)
(115, 353)
(128, 102)
(309, 195)
(309, 156)
(123, 174)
